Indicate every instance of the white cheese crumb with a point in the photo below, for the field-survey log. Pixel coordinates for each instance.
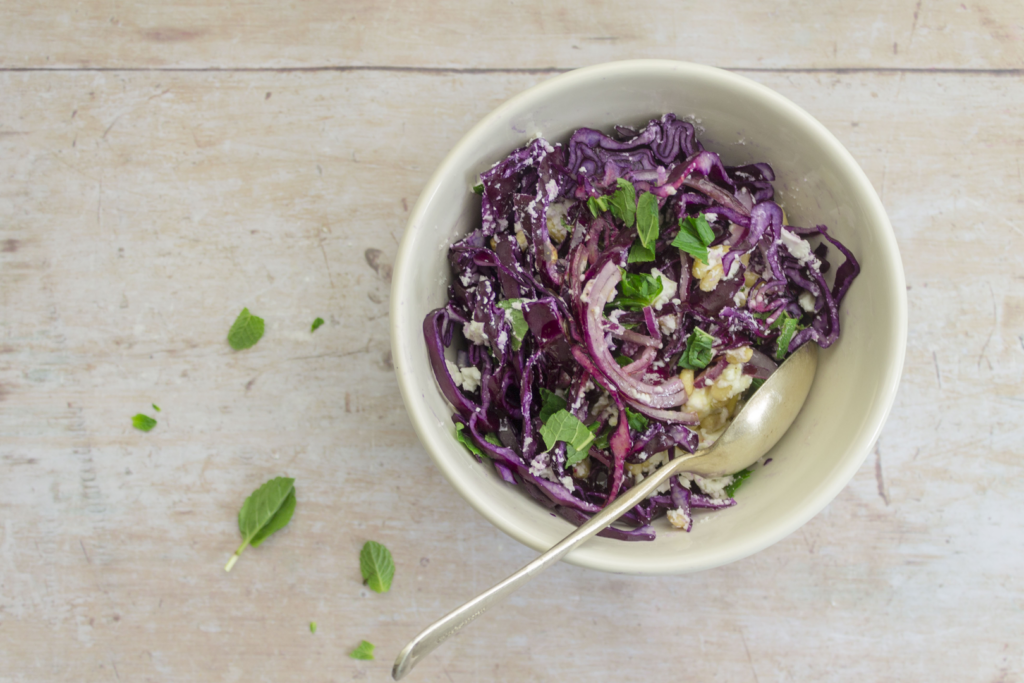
(470, 378)
(667, 324)
(797, 246)
(807, 301)
(474, 332)
(668, 289)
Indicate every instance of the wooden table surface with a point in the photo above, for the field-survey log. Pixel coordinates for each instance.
(165, 164)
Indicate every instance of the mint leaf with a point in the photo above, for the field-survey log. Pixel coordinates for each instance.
(363, 651)
(573, 456)
(698, 351)
(755, 384)
(622, 203)
(377, 566)
(312, 627)
(492, 439)
(564, 426)
(464, 438)
(638, 253)
(788, 326)
(637, 421)
(143, 422)
(623, 361)
(647, 219)
(518, 321)
(478, 188)
(637, 290)
(737, 481)
(246, 331)
(550, 403)
(316, 323)
(271, 505)
(597, 205)
(156, 407)
(695, 234)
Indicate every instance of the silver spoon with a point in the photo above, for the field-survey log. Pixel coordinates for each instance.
(753, 432)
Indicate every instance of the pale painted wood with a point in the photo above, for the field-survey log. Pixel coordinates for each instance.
(142, 211)
(511, 34)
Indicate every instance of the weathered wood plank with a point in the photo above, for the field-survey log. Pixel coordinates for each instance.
(502, 35)
(143, 210)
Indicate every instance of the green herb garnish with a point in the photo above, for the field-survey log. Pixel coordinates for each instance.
(515, 315)
(377, 566)
(550, 403)
(788, 326)
(637, 421)
(597, 205)
(268, 509)
(493, 439)
(695, 234)
(316, 323)
(638, 253)
(755, 384)
(246, 331)
(564, 426)
(637, 290)
(623, 361)
(622, 203)
(698, 351)
(478, 188)
(143, 422)
(363, 651)
(647, 219)
(464, 438)
(156, 407)
(737, 481)
(312, 627)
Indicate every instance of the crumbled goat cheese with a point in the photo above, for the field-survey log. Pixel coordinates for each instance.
(807, 301)
(474, 332)
(468, 377)
(667, 324)
(668, 289)
(798, 247)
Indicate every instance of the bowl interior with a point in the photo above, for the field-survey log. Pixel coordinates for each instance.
(817, 182)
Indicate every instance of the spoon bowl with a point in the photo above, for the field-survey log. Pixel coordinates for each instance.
(756, 428)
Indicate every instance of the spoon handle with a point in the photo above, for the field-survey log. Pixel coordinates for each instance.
(454, 621)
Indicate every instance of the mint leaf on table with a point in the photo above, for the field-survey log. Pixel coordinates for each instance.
(316, 323)
(246, 331)
(312, 627)
(377, 566)
(564, 426)
(156, 407)
(268, 509)
(647, 220)
(695, 234)
(698, 351)
(363, 651)
(143, 422)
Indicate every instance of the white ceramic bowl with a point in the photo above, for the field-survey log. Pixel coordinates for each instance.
(817, 182)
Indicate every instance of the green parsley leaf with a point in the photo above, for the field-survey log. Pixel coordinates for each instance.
(550, 403)
(312, 627)
(377, 566)
(737, 481)
(143, 422)
(622, 203)
(698, 351)
(363, 651)
(623, 361)
(564, 426)
(464, 438)
(515, 316)
(637, 290)
(316, 323)
(647, 219)
(638, 253)
(246, 331)
(788, 327)
(637, 421)
(493, 439)
(478, 188)
(597, 205)
(268, 509)
(755, 385)
(156, 407)
(695, 234)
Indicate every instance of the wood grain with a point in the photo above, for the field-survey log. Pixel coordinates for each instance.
(143, 209)
(496, 34)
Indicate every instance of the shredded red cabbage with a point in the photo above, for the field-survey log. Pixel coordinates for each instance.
(558, 314)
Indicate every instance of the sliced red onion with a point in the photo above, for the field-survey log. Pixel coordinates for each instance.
(682, 417)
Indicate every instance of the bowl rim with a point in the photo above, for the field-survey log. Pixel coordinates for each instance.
(877, 415)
